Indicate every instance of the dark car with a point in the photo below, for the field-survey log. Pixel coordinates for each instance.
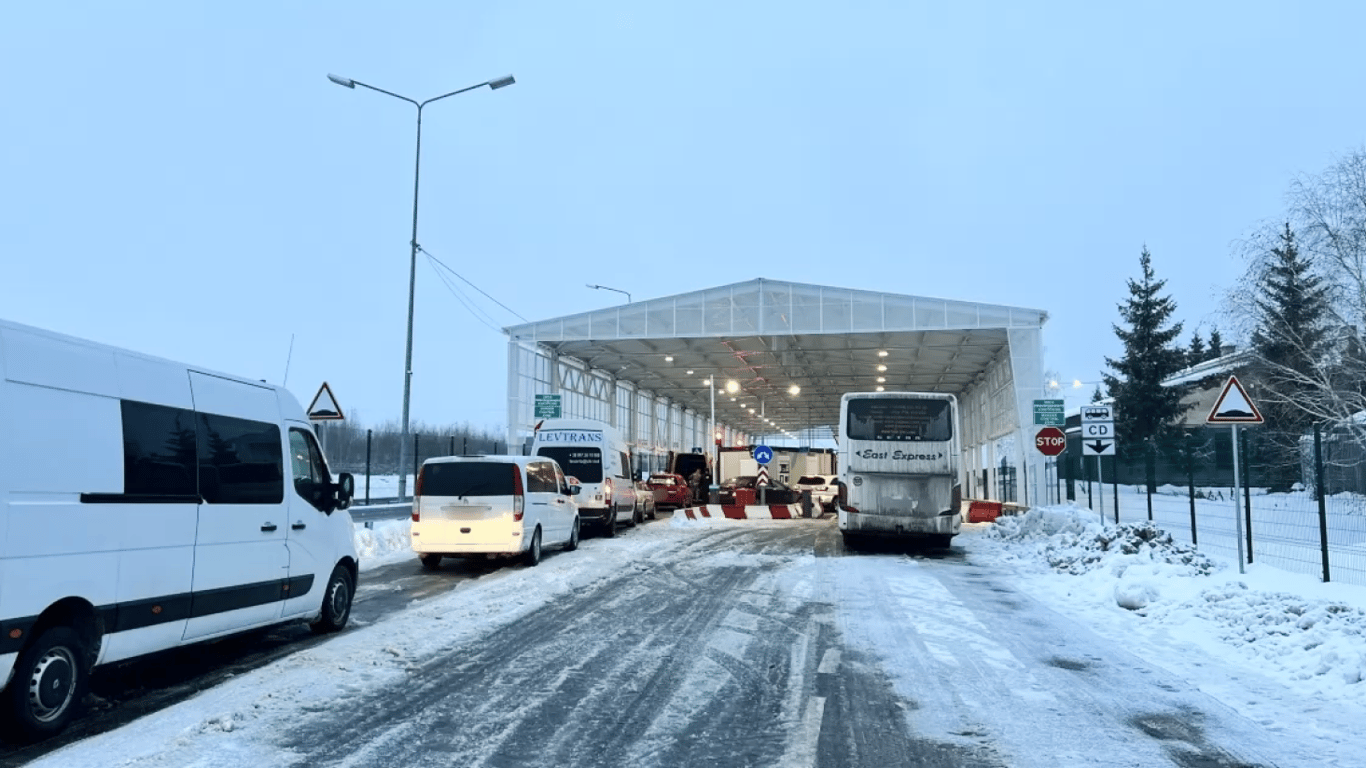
(777, 491)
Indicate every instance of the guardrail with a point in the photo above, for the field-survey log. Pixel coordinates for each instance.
(381, 509)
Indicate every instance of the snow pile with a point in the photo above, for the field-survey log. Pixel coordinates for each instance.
(384, 537)
(1043, 522)
(1075, 541)
(1314, 638)
(1304, 637)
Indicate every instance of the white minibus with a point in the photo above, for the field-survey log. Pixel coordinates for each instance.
(146, 504)
(494, 506)
(599, 458)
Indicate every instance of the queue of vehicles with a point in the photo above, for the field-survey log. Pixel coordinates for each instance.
(196, 505)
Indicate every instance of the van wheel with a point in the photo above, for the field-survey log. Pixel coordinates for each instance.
(637, 517)
(533, 552)
(336, 602)
(609, 526)
(430, 562)
(49, 682)
(573, 537)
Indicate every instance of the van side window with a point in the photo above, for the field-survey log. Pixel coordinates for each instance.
(311, 478)
(625, 466)
(158, 450)
(540, 477)
(240, 461)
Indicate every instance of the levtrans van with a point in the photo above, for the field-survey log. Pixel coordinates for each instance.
(596, 454)
(146, 504)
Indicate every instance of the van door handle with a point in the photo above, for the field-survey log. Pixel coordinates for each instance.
(299, 526)
(268, 527)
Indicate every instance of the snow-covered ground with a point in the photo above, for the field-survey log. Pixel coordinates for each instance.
(1283, 649)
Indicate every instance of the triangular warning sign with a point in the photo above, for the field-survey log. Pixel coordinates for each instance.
(1234, 406)
(324, 406)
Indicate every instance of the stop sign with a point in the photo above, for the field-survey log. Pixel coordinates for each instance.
(1050, 441)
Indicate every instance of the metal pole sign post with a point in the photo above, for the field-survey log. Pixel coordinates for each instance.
(1098, 439)
(1234, 407)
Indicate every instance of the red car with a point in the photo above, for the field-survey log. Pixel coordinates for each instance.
(671, 491)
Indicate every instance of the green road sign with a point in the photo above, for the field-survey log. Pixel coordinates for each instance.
(1049, 413)
(547, 406)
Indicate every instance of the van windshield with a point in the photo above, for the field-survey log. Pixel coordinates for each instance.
(583, 463)
(468, 478)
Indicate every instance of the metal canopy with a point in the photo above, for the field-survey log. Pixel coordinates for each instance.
(768, 335)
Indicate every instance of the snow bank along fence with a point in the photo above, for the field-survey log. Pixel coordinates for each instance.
(743, 511)
(1302, 498)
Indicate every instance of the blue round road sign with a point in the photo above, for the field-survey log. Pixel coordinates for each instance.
(763, 454)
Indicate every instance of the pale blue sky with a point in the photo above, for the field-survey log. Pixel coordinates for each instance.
(182, 179)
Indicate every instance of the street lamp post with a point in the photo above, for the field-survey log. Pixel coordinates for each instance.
(609, 288)
(494, 85)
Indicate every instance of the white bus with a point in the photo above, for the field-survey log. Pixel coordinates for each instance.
(899, 469)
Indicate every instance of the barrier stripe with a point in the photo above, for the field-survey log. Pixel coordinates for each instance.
(750, 512)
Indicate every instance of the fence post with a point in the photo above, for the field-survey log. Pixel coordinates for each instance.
(1323, 503)
(1247, 493)
(1190, 481)
(1150, 475)
(1073, 474)
(369, 435)
(1114, 463)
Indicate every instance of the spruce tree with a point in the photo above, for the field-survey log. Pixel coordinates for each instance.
(1216, 344)
(1144, 409)
(1196, 353)
(1291, 338)
(1291, 314)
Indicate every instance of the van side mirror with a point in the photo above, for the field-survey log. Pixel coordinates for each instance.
(346, 490)
(574, 489)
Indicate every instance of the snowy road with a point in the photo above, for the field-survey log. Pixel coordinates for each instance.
(759, 645)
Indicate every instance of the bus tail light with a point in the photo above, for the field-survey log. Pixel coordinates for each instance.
(417, 495)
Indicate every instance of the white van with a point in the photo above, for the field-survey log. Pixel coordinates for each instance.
(492, 505)
(596, 455)
(146, 504)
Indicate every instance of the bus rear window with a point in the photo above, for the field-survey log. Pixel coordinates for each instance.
(583, 463)
(894, 419)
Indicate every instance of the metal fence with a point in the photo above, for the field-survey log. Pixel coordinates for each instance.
(373, 458)
(1300, 501)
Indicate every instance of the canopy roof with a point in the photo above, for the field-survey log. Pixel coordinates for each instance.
(769, 335)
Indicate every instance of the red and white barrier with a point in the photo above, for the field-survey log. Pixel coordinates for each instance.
(744, 512)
